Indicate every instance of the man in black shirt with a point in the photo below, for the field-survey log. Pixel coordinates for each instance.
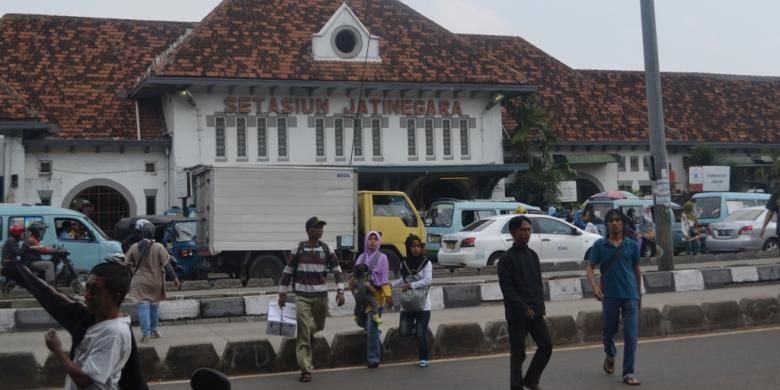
(520, 278)
(772, 206)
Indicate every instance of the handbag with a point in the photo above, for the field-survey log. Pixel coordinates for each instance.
(413, 299)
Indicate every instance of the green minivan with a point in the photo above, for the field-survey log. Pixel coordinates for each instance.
(87, 243)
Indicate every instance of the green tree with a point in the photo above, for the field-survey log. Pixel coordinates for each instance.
(702, 155)
(533, 142)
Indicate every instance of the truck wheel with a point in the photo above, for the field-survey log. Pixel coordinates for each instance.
(393, 260)
(266, 266)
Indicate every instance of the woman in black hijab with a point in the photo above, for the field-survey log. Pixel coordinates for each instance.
(415, 281)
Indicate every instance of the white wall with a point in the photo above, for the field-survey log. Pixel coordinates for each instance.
(13, 164)
(125, 172)
(194, 141)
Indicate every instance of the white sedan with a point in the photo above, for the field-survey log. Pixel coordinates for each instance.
(484, 242)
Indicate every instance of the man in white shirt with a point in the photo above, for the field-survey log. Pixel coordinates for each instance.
(100, 357)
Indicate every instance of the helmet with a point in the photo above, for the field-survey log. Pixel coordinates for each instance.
(37, 228)
(118, 258)
(16, 230)
(139, 224)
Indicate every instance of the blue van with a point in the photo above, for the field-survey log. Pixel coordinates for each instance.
(87, 243)
(711, 207)
(598, 208)
(450, 215)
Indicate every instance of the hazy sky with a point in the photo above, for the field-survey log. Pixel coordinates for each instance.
(712, 36)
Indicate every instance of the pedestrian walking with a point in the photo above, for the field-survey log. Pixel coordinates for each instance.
(415, 282)
(149, 262)
(307, 267)
(587, 217)
(773, 207)
(520, 279)
(379, 271)
(619, 291)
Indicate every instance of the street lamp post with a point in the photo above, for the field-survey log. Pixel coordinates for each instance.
(655, 114)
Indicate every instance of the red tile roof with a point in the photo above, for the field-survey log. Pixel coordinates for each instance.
(72, 70)
(580, 108)
(271, 39)
(707, 107)
(13, 106)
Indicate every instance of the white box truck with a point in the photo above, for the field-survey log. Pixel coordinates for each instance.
(250, 217)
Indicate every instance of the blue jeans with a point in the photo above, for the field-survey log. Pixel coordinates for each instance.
(148, 317)
(374, 346)
(693, 247)
(415, 324)
(614, 308)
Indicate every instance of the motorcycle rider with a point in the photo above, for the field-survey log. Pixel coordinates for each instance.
(11, 245)
(32, 249)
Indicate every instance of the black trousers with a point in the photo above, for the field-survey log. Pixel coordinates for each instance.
(519, 327)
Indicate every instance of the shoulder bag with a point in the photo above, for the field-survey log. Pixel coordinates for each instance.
(413, 299)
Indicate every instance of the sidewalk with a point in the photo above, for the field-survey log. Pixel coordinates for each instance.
(220, 333)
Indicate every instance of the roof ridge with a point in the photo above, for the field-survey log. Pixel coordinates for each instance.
(719, 76)
(164, 57)
(128, 20)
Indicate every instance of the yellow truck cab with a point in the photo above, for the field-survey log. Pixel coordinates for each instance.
(392, 214)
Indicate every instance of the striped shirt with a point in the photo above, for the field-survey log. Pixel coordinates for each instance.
(309, 270)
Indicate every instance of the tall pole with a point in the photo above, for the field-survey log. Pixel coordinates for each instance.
(655, 114)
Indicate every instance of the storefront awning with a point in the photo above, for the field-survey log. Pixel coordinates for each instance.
(472, 170)
(742, 161)
(588, 158)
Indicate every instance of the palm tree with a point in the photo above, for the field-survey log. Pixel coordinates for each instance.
(535, 133)
(702, 155)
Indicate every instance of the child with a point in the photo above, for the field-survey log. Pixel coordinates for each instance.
(364, 294)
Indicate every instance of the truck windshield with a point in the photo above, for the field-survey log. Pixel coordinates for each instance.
(185, 231)
(395, 206)
(440, 215)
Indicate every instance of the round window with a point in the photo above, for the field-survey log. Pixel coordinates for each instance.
(346, 42)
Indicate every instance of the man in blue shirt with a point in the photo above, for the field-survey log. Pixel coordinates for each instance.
(619, 292)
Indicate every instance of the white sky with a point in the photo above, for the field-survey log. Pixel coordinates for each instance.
(711, 36)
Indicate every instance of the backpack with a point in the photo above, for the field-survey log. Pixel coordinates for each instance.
(413, 299)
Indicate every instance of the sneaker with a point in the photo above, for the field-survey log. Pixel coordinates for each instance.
(144, 339)
(376, 318)
(156, 334)
(422, 363)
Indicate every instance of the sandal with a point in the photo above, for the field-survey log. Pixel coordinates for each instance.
(305, 377)
(609, 365)
(631, 380)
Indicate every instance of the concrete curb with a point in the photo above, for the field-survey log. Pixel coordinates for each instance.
(255, 307)
(21, 370)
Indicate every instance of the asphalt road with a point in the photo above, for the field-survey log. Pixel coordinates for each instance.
(745, 360)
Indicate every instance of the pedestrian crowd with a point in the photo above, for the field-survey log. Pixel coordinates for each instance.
(104, 352)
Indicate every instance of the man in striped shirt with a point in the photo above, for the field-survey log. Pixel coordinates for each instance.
(307, 268)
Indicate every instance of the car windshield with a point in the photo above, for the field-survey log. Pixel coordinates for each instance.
(185, 231)
(96, 228)
(440, 215)
(477, 226)
(707, 207)
(744, 215)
